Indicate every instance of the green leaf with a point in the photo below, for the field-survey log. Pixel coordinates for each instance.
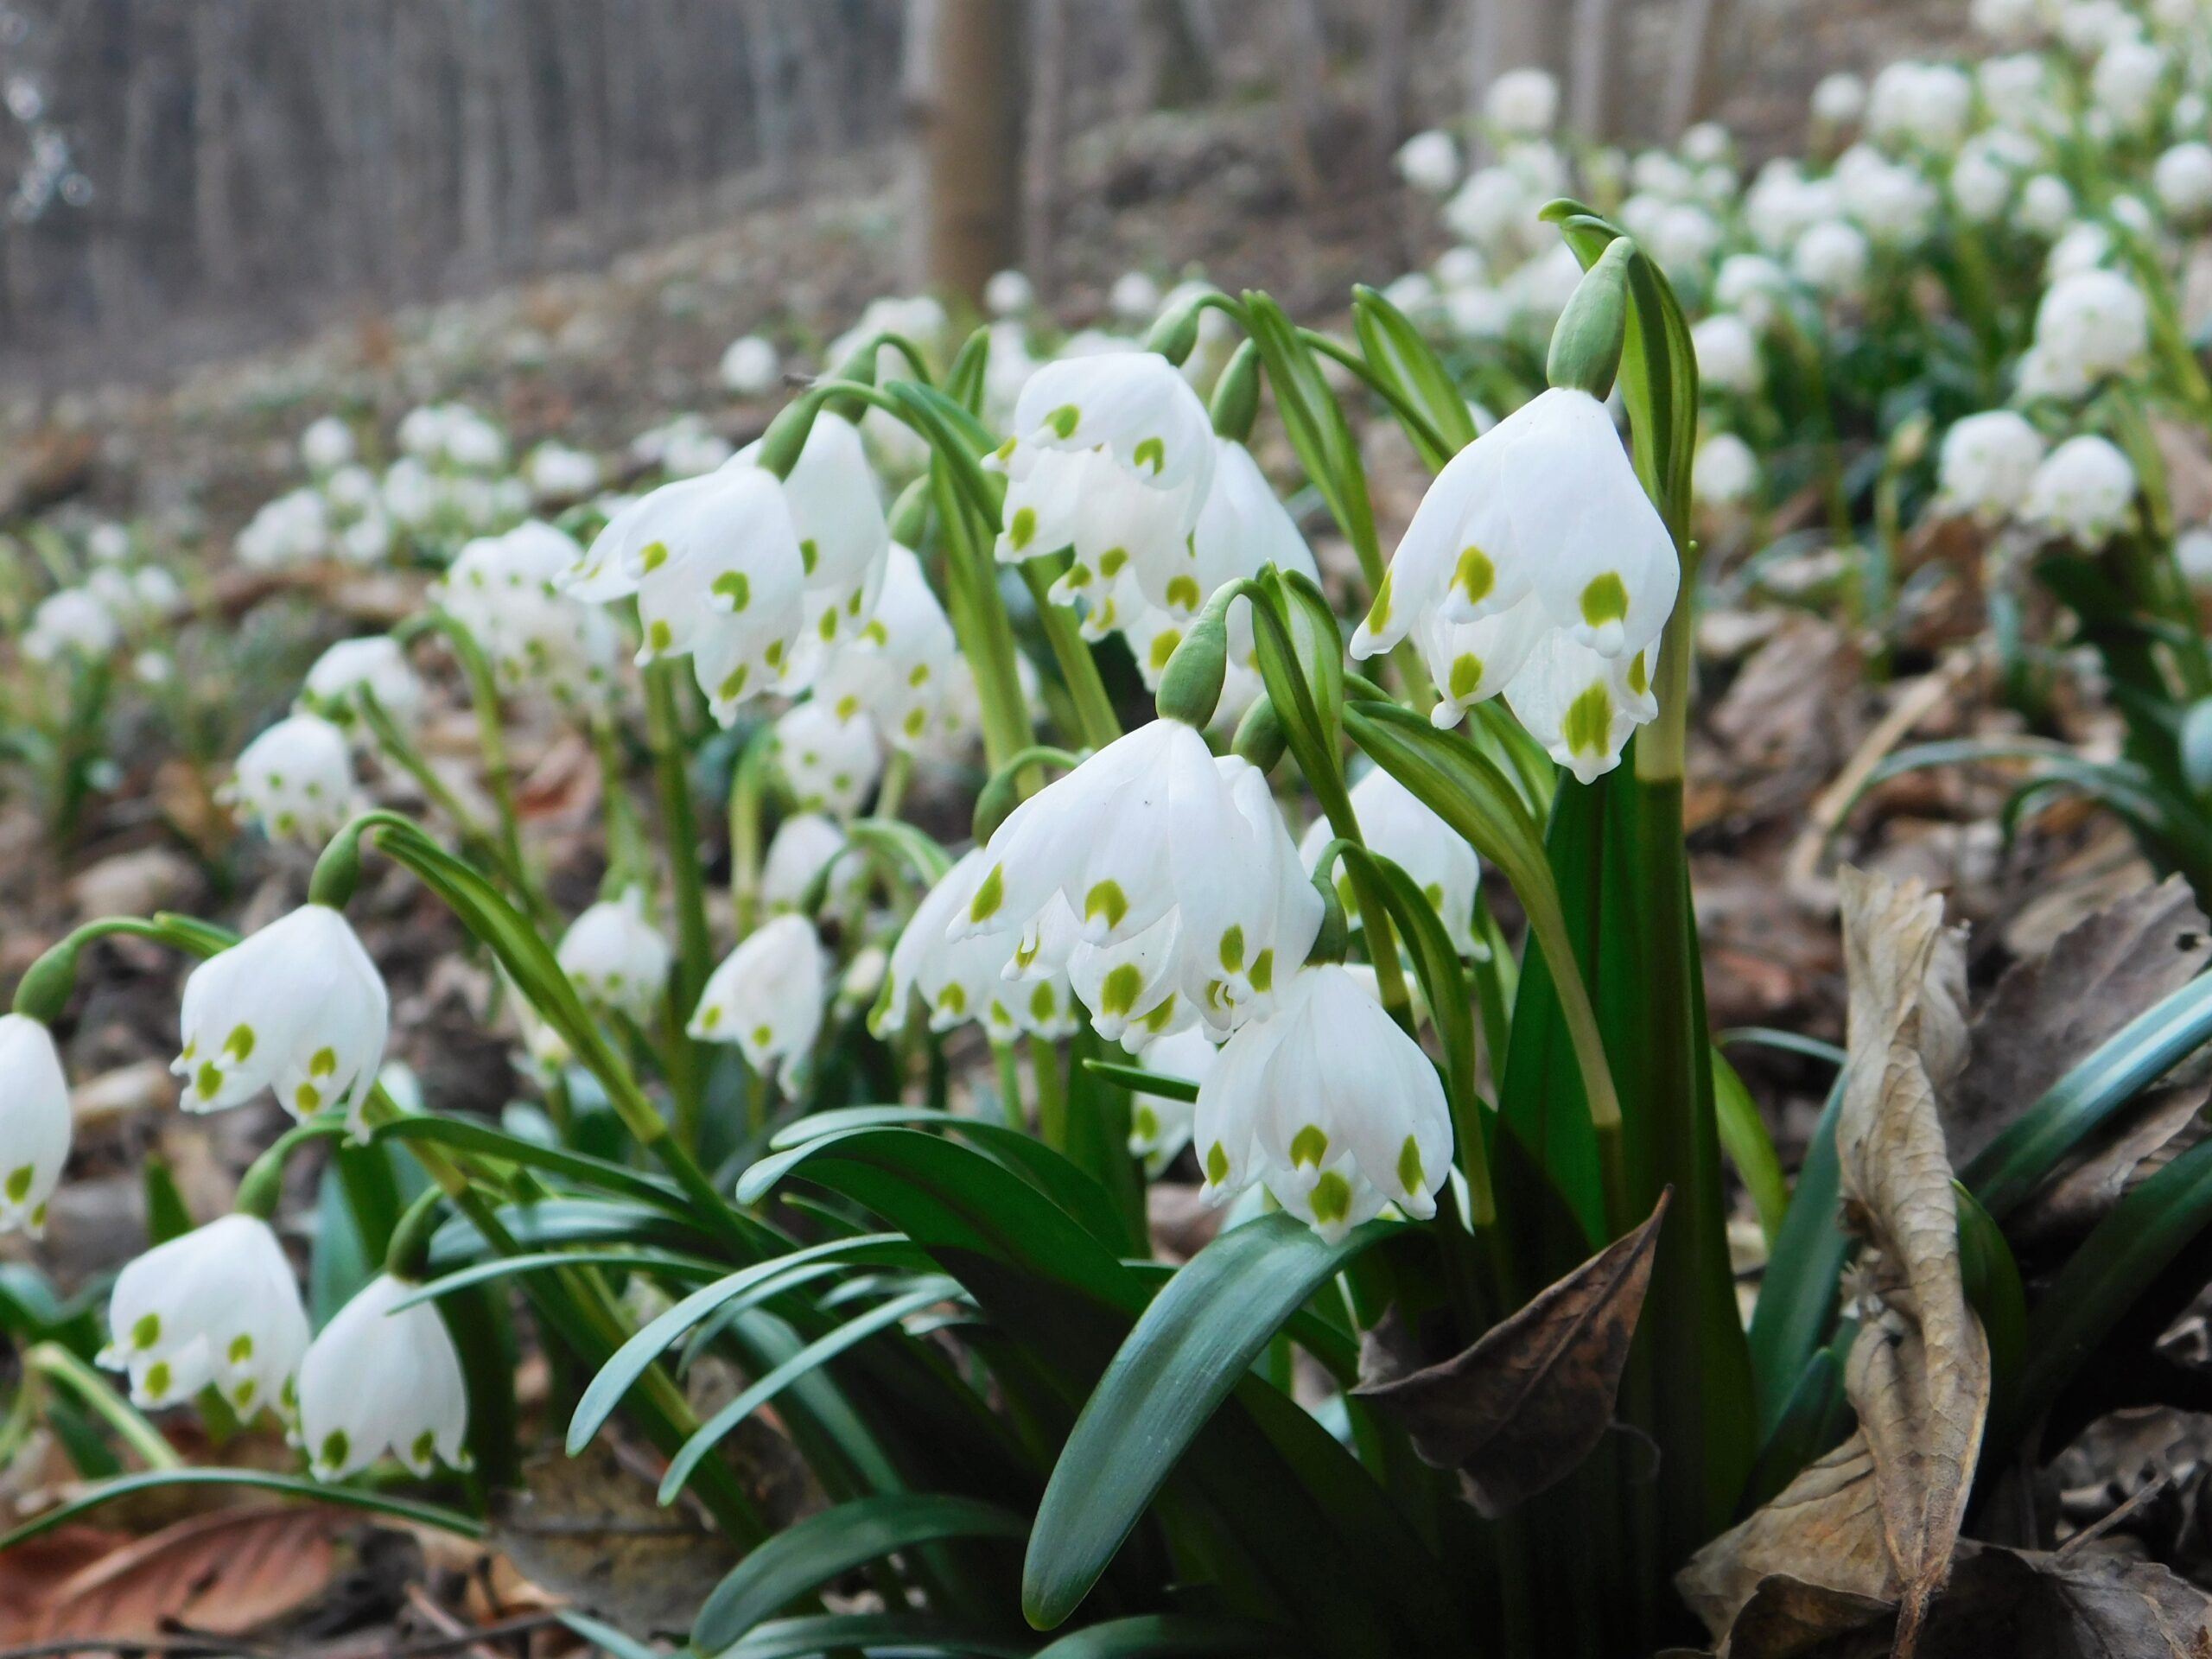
(166, 1215)
(1148, 1636)
(1991, 1280)
(2005, 1171)
(507, 1267)
(810, 1358)
(886, 1634)
(1743, 1137)
(1192, 1347)
(1318, 430)
(426, 1515)
(1136, 1078)
(630, 1361)
(549, 1221)
(1395, 349)
(1798, 1293)
(466, 1134)
(604, 1635)
(822, 1547)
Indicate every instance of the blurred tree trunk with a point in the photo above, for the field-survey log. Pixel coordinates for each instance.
(1593, 79)
(214, 220)
(478, 44)
(767, 67)
(1041, 143)
(973, 126)
(1299, 50)
(1691, 79)
(1174, 39)
(1387, 77)
(1512, 35)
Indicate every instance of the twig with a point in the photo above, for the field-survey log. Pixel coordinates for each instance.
(59, 1647)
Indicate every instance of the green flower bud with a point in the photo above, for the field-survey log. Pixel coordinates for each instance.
(1260, 736)
(1236, 395)
(43, 992)
(910, 512)
(1190, 688)
(1585, 351)
(1175, 335)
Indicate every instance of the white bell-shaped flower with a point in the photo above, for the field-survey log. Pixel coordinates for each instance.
(1398, 825)
(1327, 1104)
(35, 1122)
(72, 622)
(1727, 353)
(1159, 1125)
(2091, 324)
(959, 980)
(1113, 455)
(803, 846)
(831, 763)
(750, 367)
(1152, 828)
(504, 590)
(2083, 490)
(615, 957)
(216, 1307)
(297, 1007)
(898, 669)
(836, 507)
(1724, 472)
(376, 664)
(297, 779)
(380, 1379)
(1986, 464)
(767, 997)
(715, 565)
(1242, 526)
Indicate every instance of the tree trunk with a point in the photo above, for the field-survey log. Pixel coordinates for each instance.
(1593, 90)
(1691, 78)
(1511, 34)
(1386, 80)
(1040, 183)
(214, 219)
(973, 127)
(1299, 51)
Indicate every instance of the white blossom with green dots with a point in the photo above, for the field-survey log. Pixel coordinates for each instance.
(836, 507)
(381, 1379)
(830, 759)
(1397, 824)
(297, 1008)
(1160, 1125)
(767, 996)
(969, 979)
(217, 1308)
(35, 1122)
(296, 781)
(615, 957)
(1327, 1104)
(902, 665)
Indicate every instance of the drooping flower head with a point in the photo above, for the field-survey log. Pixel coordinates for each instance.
(376, 664)
(1986, 463)
(1160, 1125)
(900, 668)
(217, 1307)
(830, 761)
(297, 1007)
(35, 1122)
(297, 779)
(615, 956)
(505, 589)
(1329, 1105)
(1398, 825)
(382, 1379)
(767, 995)
(958, 979)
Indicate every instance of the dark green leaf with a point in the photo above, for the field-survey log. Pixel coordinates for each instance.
(426, 1515)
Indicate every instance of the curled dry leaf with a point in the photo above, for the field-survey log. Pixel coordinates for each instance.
(1517, 1411)
(226, 1573)
(1879, 1516)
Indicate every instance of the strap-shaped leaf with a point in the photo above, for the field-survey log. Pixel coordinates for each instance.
(1158, 1635)
(1797, 1296)
(1318, 430)
(820, 1547)
(903, 1634)
(508, 1267)
(1749, 1148)
(1188, 1350)
(427, 1515)
(468, 1134)
(1395, 349)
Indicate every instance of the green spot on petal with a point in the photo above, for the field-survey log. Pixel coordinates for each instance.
(660, 636)
(989, 895)
(239, 1044)
(1216, 1164)
(1589, 720)
(1147, 1124)
(1606, 599)
(1151, 452)
(1043, 1003)
(207, 1082)
(1474, 575)
(1232, 949)
(1466, 675)
(1309, 1146)
(1378, 614)
(654, 556)
(735, 587)
(156, 1383)
(1182, 592)
(1410, 1170)
(1023, 529)
(147, 1332)
(335, 1448)
(241, 1348)
(323, 1063)
(1064, 420)
(1117, 992)
(1163, 647)
(809, 555)
(306, 1098)
(762, 1036)
(1639, 677)
(426, 1444)
(19, 1183)
(1263, 971)
(953, 999)
(1332, 1198)
(1112, 560)
(1106, 899)
(733, 687)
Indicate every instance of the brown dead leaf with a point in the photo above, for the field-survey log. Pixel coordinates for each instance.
(1787, 1618)
(2049, 1012)
(2108, 1165)
(1879, 1516)
(27, 1570)
(227, 1573)
(591, 1529)
(1520, 1409)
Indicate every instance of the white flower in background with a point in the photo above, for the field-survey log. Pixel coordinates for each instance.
(1398, 825)
(750, 367)
(560, 474)
(375, 664)
(718, 573)
(216, 1307)
(805, 844)
(2182, 178)
(72, 622)
(1135, 297)
(1429, 162)
(1783, 204)
(1113, 455)
(2084, 490)
(1752, 286)
(2017, 90)
(381, 1379)
(1986, 464)
(968, 979)
(2091, 324)
(1416, 293)
(1460, 268)
(831, 761)
(1010, 294)
(1328, 1105)
(1724, 472)
(1539, 290)
(108, 542)
(2086, 27)
(1989, 166)
(1924, 106)
(2126, 82)
(1683, 237)
(615, 957)
(2010, 22)
(293, 529)
(1495, 210)
(1160, 1126)
(1838, 99)
(836, 508)
(2193, 553)
(473, 443)
(1707, 143)
(297, 1007)
(1727, 353)
(1242, 526)
(1478, 313)
(1523, 102)
(2046, 204)
(410, 491)
(2190, 112)
(1153, 830)
(35, 1122)
(1891, 201)
(767, 997)
(900, 669)
(1832, 257)
(503, 589)
(2085, 246)
(296, 779)
(685, 446)
(327, 445)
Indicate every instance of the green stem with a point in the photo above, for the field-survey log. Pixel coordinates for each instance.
(1009, 1085)
(1097, 723)
(629, 858)
(679, 829)
(53, 1361)
(748, 787)
(891, 793)
(491, 741)
(1051, 1096)
(397, 747)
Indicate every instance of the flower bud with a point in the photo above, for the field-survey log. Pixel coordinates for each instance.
(1191, 687)
(1236, 395)
(1586, 351)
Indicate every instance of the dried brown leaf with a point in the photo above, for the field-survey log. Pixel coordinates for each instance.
(1521, 1408)
(2051, 1011)
(29, 1571)
(2107, 1167)
(1879, 1516)
(227, 1573)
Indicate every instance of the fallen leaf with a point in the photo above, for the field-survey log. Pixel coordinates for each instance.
(1879, 1516)
(226, 1572)
(2109, 1164)
(1520, 1409)
(1788, 1618)
(2049, 1012)
(28, 1569)
(591, 1529)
